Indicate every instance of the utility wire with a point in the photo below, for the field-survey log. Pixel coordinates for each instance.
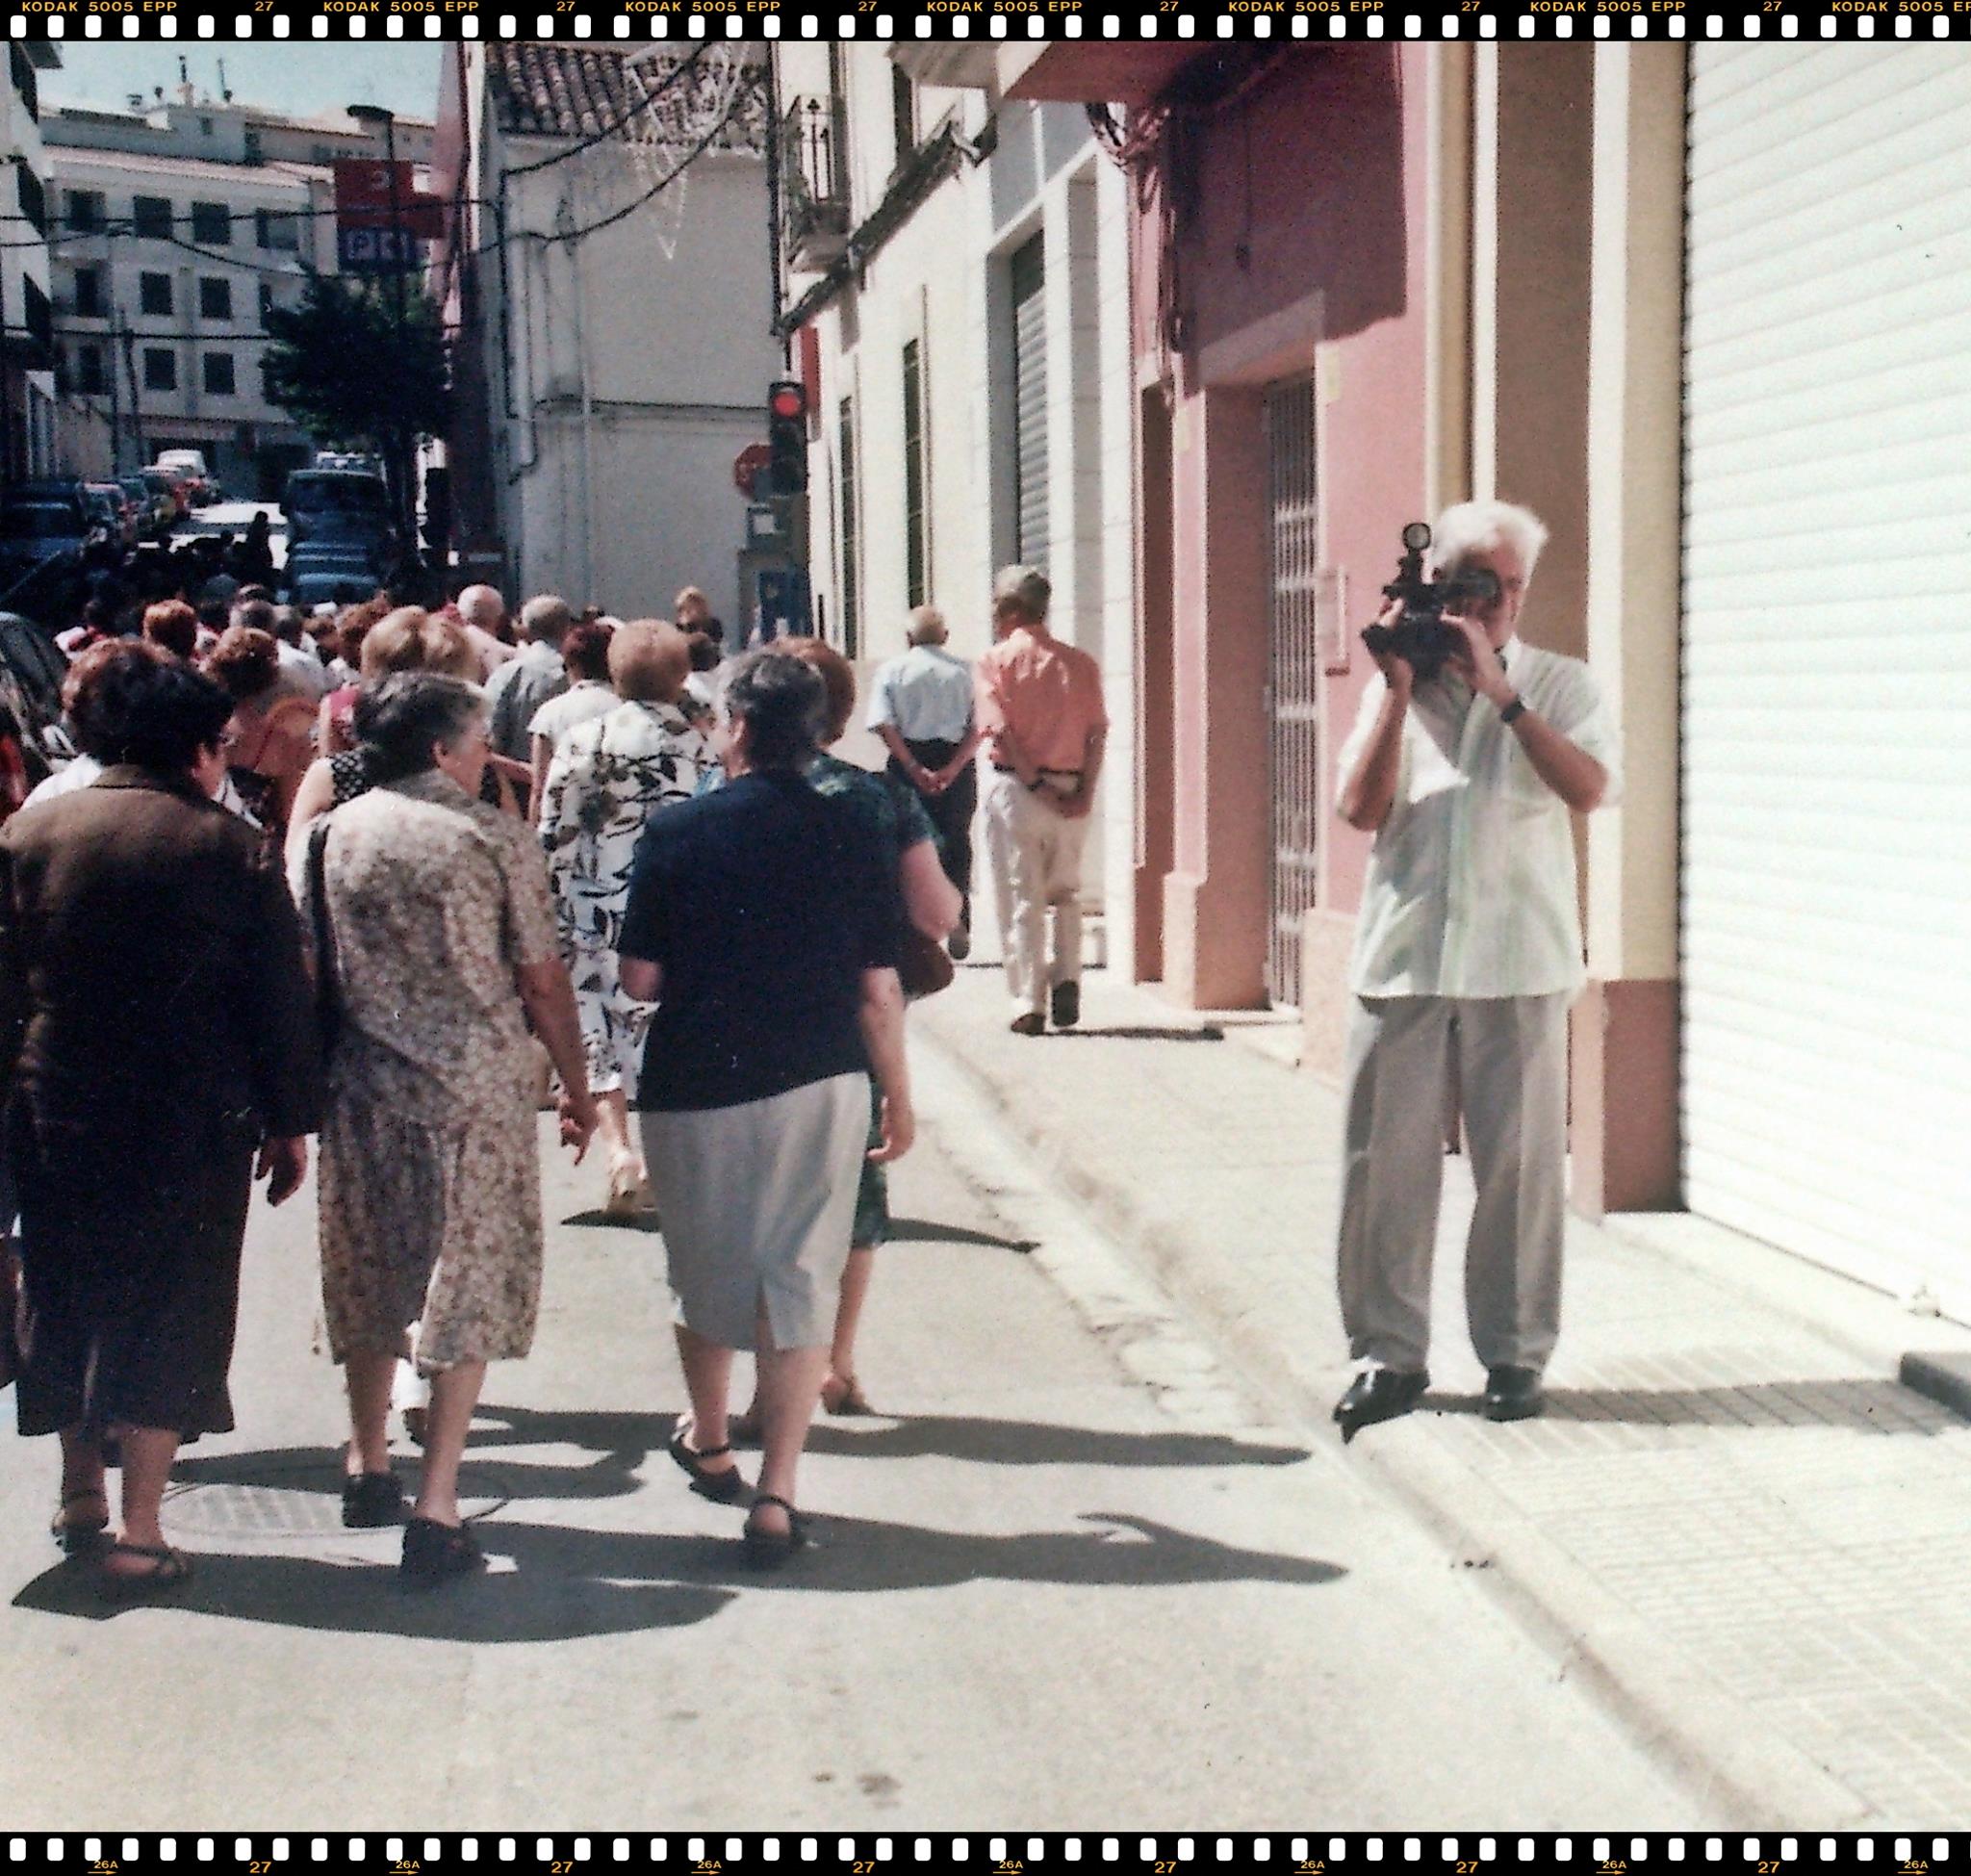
(651, 98)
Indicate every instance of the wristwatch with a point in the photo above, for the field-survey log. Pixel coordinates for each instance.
(1514, 710)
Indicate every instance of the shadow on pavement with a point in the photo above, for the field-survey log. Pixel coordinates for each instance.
(645, 1223)
(1136, 1033)
(550, 1583)
(927, 1231)
(1862, 1402)
(1037, 1442)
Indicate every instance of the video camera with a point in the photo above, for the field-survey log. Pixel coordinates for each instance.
(1420, 637)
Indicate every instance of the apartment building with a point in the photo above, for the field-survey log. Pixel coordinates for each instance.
(27, 334)
(177, 225)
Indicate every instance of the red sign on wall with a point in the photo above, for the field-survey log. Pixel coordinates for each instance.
(362, 199)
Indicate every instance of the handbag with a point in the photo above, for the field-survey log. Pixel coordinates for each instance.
(924, 967)
(328, 1008)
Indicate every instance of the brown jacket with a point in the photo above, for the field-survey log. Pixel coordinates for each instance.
(151, 981)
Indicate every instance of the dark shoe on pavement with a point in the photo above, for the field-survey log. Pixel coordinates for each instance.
(168, 1570)
(723, 1486)
(434, 1552)
(1033, 1023)
(768, 1550)
(83, 1536)
(1514, 1394)
(372, 1501)
(1378, 1394)
(959, 944)
(1066, 1002)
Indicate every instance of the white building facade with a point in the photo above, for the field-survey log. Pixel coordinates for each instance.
(27, 364)
(176, 226)
(608, 288)
(962, 265)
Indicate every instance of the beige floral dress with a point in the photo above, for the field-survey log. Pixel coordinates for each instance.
(430, 1199)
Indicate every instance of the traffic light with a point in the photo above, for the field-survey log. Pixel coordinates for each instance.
(786, 436)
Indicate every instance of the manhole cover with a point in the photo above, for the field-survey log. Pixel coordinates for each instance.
(299, 1501)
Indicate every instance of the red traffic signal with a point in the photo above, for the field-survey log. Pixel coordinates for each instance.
(786, 436)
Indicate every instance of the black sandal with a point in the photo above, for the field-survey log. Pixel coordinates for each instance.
(81, 1537)
(372, 1501)
(170, 1570)
(721, 1486)
(768, 1550)
(434, 1552)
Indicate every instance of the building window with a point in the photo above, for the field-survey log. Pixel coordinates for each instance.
(320, 153)
(916, 508)
(215, 299)
(267, 379)
(266, 303)
(160, 369)
(34, 200)
(24, 80)
(273, 229)
(88, 212)
(88, 370)
(903, 103)
(150, 216)
(205, 126)
(219, 374)
(89, 292)
(848, 534)
(154, 294)
(211, 226)
(255, 153)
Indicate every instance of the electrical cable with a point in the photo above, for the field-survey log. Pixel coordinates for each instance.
(649, 97)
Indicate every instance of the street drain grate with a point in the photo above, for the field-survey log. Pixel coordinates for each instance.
(300, 1501)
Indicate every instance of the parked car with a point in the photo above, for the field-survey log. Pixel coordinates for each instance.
(44, 527)
(157, 509)
(33, 742)
(112, 504)
(171, 488)
(190, 467)
(339, 521)
(323, 583)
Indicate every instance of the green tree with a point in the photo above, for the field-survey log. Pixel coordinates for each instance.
(358, 363)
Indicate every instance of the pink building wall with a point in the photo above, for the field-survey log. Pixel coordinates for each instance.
(1291, 217)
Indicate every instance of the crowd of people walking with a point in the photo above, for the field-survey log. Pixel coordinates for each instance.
(399, 878)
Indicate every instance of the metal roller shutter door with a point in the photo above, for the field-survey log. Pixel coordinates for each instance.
(1030, 402)
(1827, 663)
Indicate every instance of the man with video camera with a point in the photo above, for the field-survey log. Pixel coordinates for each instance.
(1471, 753)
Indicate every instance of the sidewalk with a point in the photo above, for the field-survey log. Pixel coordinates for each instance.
(1732, 1517)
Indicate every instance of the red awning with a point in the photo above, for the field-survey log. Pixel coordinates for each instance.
(1104, 72)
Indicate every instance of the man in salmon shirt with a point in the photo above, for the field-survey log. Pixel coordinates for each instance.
(1045, 728)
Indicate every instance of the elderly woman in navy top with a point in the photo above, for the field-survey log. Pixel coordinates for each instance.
(763, 921)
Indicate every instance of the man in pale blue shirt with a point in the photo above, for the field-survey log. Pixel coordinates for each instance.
(921, 706)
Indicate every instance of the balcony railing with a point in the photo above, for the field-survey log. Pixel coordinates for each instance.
(814, 193)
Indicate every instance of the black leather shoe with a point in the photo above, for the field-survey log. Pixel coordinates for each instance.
(1378, 1394)
(959, 944)
(1514, 1394)
(1066, 1002)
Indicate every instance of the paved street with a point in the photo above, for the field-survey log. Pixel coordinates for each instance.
(1076, 1582)
(219, 517)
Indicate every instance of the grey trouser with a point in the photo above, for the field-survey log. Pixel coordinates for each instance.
(1511, 1055)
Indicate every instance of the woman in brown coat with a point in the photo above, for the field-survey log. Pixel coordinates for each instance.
(156, 1034)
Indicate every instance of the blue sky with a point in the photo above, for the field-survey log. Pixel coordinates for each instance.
(294, 76)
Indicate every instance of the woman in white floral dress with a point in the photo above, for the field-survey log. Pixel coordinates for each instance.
(606, 779)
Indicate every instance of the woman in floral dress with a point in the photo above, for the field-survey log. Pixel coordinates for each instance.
(606, 779)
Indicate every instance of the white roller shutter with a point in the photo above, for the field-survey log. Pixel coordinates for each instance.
(1826, 669)
(1029, 402)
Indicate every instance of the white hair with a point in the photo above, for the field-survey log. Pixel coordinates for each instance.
(1469, 527)
(926, 626)
(1028, 588)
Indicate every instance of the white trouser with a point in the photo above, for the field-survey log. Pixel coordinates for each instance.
(1511, 1056)
(1035, 856)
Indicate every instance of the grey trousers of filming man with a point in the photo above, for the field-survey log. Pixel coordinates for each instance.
(1511, 1056)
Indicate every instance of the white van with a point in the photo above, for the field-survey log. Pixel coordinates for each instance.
(187, 463)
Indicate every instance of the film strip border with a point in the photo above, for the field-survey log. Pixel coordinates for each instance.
(1887, 21)
(713, 1854)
